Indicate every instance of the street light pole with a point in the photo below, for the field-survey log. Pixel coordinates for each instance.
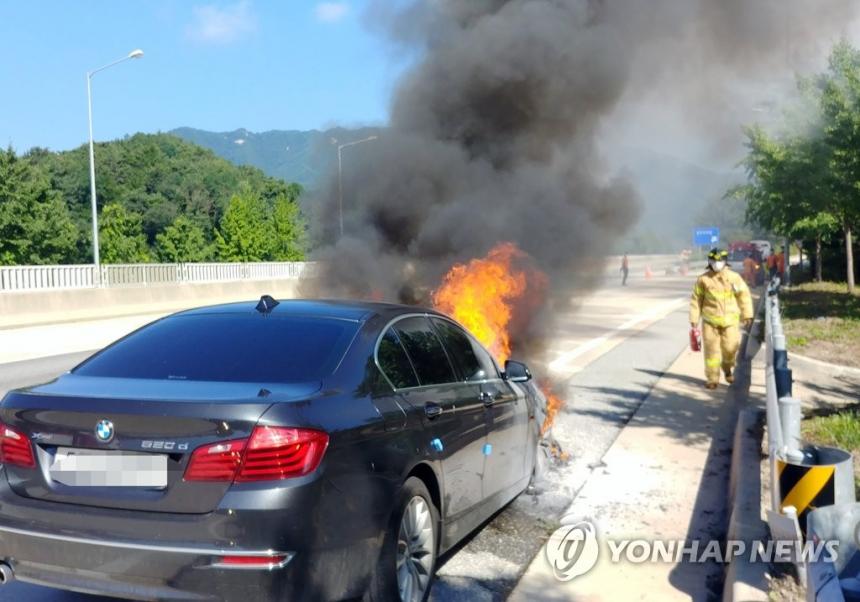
(134, 54)
(96, 261)
(340, 176)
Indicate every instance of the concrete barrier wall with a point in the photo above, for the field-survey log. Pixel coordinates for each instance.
(45, 307)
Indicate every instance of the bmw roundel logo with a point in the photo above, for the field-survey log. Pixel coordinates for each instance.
(104, 431)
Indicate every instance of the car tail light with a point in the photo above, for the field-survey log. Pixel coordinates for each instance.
(216, 462)
(270, 453)
(281, 453)
(15, 447)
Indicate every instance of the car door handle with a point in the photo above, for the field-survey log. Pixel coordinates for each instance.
(432, 410)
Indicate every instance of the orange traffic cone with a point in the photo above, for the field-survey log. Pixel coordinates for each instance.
(648, 273)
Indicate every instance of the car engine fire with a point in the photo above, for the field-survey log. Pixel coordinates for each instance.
(487, 295)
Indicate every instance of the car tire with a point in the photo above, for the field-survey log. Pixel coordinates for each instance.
(407, 560)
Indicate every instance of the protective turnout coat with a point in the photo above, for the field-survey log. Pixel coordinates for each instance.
(721, 299)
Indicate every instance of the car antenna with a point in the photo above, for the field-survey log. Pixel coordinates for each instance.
(267, 304)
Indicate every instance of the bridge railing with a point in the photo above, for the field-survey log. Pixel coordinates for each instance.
(38, 277)
(55, 277)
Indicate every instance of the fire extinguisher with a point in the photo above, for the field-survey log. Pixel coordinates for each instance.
(695, 339)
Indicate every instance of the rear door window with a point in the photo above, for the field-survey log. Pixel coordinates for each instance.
(425, 350)
(228, 348)
(394, 362)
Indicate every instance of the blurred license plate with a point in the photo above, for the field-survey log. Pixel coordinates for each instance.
(95, 468)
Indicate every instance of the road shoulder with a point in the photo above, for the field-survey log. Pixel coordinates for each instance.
(666, 478)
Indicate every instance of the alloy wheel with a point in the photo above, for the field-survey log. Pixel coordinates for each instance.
(415, 550)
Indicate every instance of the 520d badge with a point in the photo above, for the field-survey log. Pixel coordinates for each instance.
(165, 445)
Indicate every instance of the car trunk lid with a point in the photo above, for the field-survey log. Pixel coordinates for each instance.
(155, 427)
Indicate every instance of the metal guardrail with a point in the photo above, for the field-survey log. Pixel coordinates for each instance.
(783, 411)
(782, 414)
(792, 460)
(58, 277)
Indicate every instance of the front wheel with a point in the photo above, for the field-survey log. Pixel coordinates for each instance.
(407, 561)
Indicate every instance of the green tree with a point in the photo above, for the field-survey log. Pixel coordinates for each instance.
(35, 226)
(156, 176)
(246, 231)
(290, 230)
(121, 236)
(789, 183)
(183, 241)
(840, 108)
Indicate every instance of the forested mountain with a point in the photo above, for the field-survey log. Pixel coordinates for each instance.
(163, 198)
(160, 199)
(301, 156)
(676, 195)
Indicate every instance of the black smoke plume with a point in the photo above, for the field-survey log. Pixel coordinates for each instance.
(494, 131)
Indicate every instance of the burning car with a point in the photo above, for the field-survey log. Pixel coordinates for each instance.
(298, 450)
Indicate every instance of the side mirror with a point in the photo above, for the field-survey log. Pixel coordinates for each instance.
(517, 372)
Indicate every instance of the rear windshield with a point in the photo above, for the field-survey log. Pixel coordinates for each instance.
(228, 348)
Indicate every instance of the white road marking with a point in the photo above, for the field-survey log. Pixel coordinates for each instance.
(638, 322)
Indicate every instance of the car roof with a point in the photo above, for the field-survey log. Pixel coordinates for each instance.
(322, 308)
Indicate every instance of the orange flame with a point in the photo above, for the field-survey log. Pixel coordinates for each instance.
(481, 295)
(553, 405)
(484, 294)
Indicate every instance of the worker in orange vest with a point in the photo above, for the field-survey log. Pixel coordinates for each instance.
(771, 265)
(780, 263)
(750, 267)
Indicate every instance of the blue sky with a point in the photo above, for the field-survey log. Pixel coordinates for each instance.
(216, 65)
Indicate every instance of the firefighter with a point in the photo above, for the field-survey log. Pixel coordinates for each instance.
(722, 300)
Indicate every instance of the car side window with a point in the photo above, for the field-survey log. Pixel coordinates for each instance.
(487, 363)
(394, 362)
(460, 348)
(425, 350)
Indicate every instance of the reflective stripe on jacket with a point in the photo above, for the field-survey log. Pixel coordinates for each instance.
(721, 299)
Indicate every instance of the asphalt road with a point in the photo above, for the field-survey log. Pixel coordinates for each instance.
(602, 394)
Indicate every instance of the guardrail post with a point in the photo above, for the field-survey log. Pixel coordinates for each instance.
(779, 353)
(784, 381)
(789, 417)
